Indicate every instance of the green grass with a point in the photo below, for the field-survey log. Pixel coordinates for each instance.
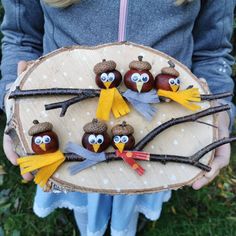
(210, 211)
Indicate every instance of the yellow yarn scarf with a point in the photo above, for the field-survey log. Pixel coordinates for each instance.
(111, 99)
(184, 97)
(46, 164)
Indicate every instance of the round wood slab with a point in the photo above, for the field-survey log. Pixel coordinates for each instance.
(73, 68)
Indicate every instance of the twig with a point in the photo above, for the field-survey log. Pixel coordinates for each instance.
(18, 93)
(163, 158)
(175, 121)
(209, 97)
(64, 105)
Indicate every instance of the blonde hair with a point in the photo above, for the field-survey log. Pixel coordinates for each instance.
(66, 3)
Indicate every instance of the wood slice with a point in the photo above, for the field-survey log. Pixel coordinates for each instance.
(73, 68)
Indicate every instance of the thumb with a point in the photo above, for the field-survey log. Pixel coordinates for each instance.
(22, 66)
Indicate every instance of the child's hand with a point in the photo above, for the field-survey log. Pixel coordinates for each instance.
(7, 142)
(222, 154)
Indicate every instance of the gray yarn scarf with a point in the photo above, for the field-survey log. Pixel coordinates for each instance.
(141, 102)
(91, 158)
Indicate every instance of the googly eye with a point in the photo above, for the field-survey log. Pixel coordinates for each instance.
(177, 81)
(92, 139)
(104, 77)
(145, 78)
(116, 139)
(38, 140)
(46, 139)
(135, 77)
(100, 139)
(171, 81)
(124, 139)
(111, 77)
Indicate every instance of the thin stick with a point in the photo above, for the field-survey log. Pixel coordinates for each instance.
(66, 104)
(209, 97)
(175, 121)
(164, 158)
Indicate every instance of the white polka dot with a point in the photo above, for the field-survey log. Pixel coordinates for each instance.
(142, 54)
(122, 70)
(56, 175)
(80, 78)
(176, 142)
(145, 182)
(105, 181)
(119, 52)
(111, 123)
(141, 131)
(45, 76)
(182, 130)
(163, 115)
(73, 119)
(84, 58)
(121, 169)
(118, 190)
(149, 165)
(173, 177)
(220, 69)
(161, 172)
(82, 179)
(94, 167)
(65, 74)
(24, 131)
(63, 63)
(69, 133)
(152, 147)
(30, 79)
(28, 110)
(88, 113)
(104, 49)
(55, 80)
(183, 167)
(160, 59)
(159, 123)
(194, 136)
(90, 87)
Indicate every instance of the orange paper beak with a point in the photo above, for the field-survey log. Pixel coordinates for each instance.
(120, 146)
(107, 84)
(96, 147)
(174, 88)
(43, 146)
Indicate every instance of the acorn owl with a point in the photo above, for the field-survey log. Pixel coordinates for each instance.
(108, 79)
(123, 141)
(96, 138)
(168, 84)
(140, 83)
(47, 158)
(95, 141)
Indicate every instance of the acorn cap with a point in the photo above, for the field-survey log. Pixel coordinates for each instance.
(122, 129)
(140, 64)
(95, 127)
(170, 70)
(39, 127)
(104, 66)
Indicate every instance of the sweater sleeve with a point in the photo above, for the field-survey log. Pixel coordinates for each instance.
(22, 30)
(211, 57)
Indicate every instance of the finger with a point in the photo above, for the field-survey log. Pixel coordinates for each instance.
(222, 155)
(22, 66)
(8, 149)
(207, 178)
(28, 177)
